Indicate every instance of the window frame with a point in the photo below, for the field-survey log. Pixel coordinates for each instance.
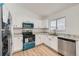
(49, 23)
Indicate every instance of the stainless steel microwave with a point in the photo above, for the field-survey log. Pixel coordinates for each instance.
(28, 25)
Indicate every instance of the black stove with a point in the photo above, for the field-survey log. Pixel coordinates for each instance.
(28, 37)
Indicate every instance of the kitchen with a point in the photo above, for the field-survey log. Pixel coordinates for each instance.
(53, 25)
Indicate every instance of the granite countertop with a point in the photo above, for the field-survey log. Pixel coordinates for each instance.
(69, 37)
(72, 37)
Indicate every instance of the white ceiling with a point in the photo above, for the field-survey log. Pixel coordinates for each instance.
(45, 9)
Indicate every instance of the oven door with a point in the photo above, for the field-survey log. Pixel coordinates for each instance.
(28, 42)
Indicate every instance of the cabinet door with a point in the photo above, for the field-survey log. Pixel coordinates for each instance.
(47, 40)
(37, 40)
(17, 44)
(77, 48)
(54, 43)
(41, 39)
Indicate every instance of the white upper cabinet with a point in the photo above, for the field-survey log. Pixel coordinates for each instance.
(61, 24)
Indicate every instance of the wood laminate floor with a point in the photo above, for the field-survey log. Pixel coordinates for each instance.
(40, 50)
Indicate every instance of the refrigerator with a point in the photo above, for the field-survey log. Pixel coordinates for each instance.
(5, 33)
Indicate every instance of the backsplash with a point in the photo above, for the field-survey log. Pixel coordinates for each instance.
(44, 31)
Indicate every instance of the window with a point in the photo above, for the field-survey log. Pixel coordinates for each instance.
(61, 24)
(58, 24)
(53, 25)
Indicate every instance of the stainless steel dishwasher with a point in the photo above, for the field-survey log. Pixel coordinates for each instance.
(66, 47)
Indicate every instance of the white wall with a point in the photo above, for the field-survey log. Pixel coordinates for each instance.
(72, 19)
(20, 14)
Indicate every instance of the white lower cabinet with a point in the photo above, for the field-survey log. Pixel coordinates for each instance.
(77, 47)
(46, 40)
(38, 39)
(41, 38)
(17, 44)
(52, 42)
